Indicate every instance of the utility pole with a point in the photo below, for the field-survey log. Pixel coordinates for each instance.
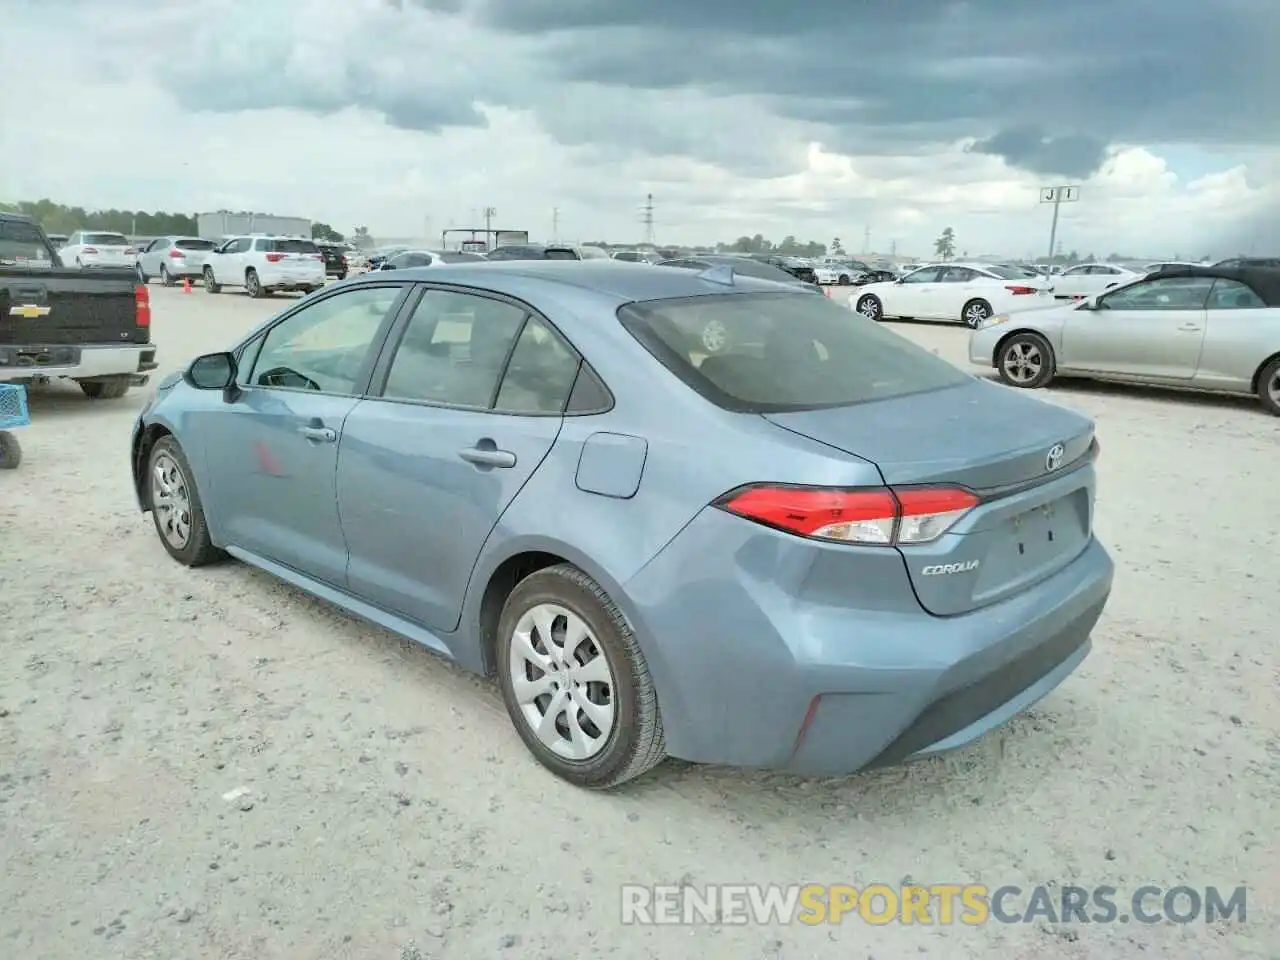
(1057, 196)
(555, 224)
(866, 239)
(489, 214)
(893, 248)
(647, 219)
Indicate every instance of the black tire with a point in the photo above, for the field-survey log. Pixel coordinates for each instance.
(165, 278)
(1269, 387)
(1037, 364)
(871, 307)
(975, 312)
(844, 280)
(142, 276)
(10, 451)
(198, 549)
(635, 744)
(105, 389)
(252, 285)
(211, 285)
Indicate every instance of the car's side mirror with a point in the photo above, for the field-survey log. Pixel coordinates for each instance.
(213, 371)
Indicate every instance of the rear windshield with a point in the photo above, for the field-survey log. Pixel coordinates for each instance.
(292, 246)
(452, 257)
(106, 239)
(561, 253)
(194, 244)
(764, 271)
(1006, 273)
(20, 242)
(771, 352)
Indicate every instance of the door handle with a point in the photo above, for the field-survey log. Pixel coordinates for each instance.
(483, 455)
(1191, 327)
(321, 434)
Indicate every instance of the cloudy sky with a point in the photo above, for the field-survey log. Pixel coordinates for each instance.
(818, 119)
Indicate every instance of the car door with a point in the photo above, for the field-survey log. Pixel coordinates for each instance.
(1152, 329)
(946, 299)
(427, 467)
(153, 256)
(1241, 332)
(272, 453)
(910, 295)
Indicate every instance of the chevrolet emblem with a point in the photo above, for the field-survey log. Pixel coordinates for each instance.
(29, 311)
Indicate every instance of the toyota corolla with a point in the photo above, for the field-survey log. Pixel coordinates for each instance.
(675, 513)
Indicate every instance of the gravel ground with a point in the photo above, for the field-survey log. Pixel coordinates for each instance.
(208, 764)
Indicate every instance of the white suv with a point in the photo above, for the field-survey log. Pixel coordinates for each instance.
(263, 265)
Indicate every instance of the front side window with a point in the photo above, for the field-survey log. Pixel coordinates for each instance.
(770, 352)
(453, 350)
(324, 346)
(1163, 293)
(924, 275)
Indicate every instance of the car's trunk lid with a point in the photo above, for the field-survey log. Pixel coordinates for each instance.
(1030, 461)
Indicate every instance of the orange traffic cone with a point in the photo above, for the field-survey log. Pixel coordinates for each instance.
(186, 284)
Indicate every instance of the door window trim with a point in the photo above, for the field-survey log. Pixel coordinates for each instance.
(361, 389)
(391, 344)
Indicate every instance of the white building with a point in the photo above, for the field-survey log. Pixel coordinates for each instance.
(224, 223)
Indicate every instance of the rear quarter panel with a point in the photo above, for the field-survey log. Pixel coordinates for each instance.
(1236, 344)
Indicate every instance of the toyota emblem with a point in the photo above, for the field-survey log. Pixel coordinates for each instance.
(1053, 459)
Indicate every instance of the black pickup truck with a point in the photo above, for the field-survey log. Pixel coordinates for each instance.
(90, 326)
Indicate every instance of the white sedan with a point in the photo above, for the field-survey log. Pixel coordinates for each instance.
(1090, 279)
(968, 292)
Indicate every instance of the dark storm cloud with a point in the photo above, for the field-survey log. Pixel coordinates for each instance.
(1044, 85)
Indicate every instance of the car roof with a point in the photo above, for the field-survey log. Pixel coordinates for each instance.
(614, 280)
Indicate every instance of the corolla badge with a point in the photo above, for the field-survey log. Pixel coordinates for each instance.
(1053, 459)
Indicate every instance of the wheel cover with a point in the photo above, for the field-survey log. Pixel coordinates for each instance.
(252, 283)
(562, 682)
(715, 336)
(975, 314)
(1273, 387)
(170, 501)
(869, 307)
(1022, 361)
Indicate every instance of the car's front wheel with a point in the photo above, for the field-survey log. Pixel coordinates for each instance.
(1025, 360)
(871, 307)
(575, 682)
(175, 506)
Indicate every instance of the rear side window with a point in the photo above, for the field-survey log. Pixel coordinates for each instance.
(771, 352)
(20, 242)
(194, 244)
(105, 239)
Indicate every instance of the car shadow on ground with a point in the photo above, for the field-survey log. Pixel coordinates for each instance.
(1140, 391)
(1017, 758)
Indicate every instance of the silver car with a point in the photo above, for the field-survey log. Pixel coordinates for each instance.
(1201, 328)
(172, 258)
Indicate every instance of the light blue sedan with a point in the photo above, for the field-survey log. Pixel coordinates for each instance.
(676, 513)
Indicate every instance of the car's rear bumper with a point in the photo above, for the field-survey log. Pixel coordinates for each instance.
(290, 280)
(75, 361)
(750, 673)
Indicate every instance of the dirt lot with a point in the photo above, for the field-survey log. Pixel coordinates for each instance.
(207, 764)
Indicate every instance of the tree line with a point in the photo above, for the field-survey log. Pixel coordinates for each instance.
(60, 218)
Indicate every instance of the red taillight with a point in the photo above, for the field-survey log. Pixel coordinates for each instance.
(89, 250)
(275, 257)
(881, 517)
(141, 306)
(1022, 291)
(176, 254)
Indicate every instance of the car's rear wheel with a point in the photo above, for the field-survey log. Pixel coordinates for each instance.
(252, 285)
(10, 451)
(574, 680)
(210, 284)
(1025, 360)
(175, 506)
(1269, 387)
(844, 280)
(871, 307)
(141, 274)
(166, 278)
(975, 312)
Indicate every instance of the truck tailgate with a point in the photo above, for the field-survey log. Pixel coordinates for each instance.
(55, 305)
